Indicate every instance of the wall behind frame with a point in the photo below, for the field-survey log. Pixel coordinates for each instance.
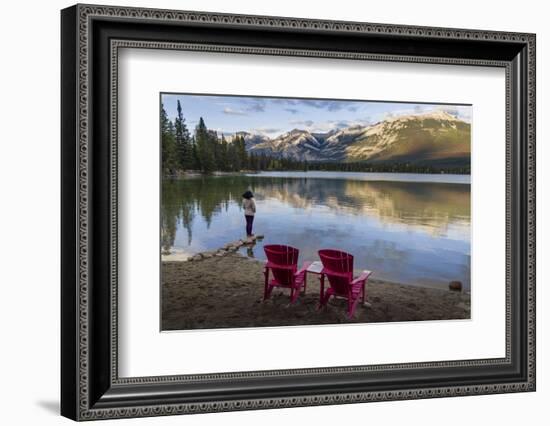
(29, 217)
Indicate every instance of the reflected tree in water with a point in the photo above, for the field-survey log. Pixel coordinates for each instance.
(428, 206)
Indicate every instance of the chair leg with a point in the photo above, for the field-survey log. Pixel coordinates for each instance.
(322, 279)
(322, 302)
(266, 284)
(352, 304)
(325, 298)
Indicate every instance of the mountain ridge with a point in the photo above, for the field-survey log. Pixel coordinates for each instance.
(430, 138)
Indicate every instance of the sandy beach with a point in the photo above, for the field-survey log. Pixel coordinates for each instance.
(227, 292)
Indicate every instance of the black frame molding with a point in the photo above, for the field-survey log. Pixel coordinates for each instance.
(91, 37)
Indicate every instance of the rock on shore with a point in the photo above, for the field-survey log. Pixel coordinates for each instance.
(226, 248)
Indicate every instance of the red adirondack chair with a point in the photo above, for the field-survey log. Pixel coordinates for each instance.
(282, 261)
(338, 268)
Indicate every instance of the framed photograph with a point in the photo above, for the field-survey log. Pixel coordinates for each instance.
(263, 212)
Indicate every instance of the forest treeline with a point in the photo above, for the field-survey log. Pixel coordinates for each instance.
(205, 151)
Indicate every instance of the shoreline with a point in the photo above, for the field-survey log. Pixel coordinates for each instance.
(234, 246)
(421, 177)
(227, 292)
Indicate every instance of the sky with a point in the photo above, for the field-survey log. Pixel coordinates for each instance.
(275, 116)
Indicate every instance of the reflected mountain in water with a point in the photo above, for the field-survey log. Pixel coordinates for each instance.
(430, 206)
(397, 223)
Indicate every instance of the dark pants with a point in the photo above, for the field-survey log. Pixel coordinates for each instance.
(249, 220)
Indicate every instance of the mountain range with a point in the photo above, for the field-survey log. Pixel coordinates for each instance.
(435, 138)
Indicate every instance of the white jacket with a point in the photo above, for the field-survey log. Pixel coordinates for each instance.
(249, 206)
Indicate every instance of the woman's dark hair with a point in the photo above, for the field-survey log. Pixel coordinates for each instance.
(248, 195)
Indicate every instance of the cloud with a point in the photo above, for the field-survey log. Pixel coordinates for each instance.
(268, 130)
(243, 107)
(284, 101)
(324, 126)
(449, 110)
(307, 123)
(341, 124)
(459, 111)
(256, 105)
(329, 125)
(329, 105)
(232, 111)
(256, 108)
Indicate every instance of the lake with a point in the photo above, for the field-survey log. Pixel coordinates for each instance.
(407, 228)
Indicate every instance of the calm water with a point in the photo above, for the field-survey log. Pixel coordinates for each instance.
(413, 229)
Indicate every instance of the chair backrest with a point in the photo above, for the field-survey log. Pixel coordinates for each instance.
(338, 267)
(283, 262)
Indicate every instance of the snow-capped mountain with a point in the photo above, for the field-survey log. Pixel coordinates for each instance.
(296, 144)
(252, 139)
(424, 138)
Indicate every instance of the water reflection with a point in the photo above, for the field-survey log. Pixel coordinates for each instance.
(407, 231)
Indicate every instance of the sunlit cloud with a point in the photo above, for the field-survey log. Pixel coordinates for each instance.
(231, 111)
(307, 123)
(266, 130)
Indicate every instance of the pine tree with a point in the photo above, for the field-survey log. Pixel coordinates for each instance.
(205, 153)
(169, 152)
(223, 157)
(243, 156)
(234, 159)
(215, 148)
(183, 140)
(196, 164)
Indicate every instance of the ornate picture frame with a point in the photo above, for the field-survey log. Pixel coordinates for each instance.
(91, 38)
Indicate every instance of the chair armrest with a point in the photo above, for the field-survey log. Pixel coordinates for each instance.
(303, 269)
(363, 277)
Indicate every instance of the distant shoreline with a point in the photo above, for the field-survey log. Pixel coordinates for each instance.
(464, 179)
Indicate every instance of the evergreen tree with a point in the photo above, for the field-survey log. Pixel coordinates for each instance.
(183, 140)
(169, 151)
(215, 147)
(205, 153)
(223, 157)
(196, 164)
(241, 152)
(234, 159)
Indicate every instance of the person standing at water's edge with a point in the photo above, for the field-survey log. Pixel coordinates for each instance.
(249, 206)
